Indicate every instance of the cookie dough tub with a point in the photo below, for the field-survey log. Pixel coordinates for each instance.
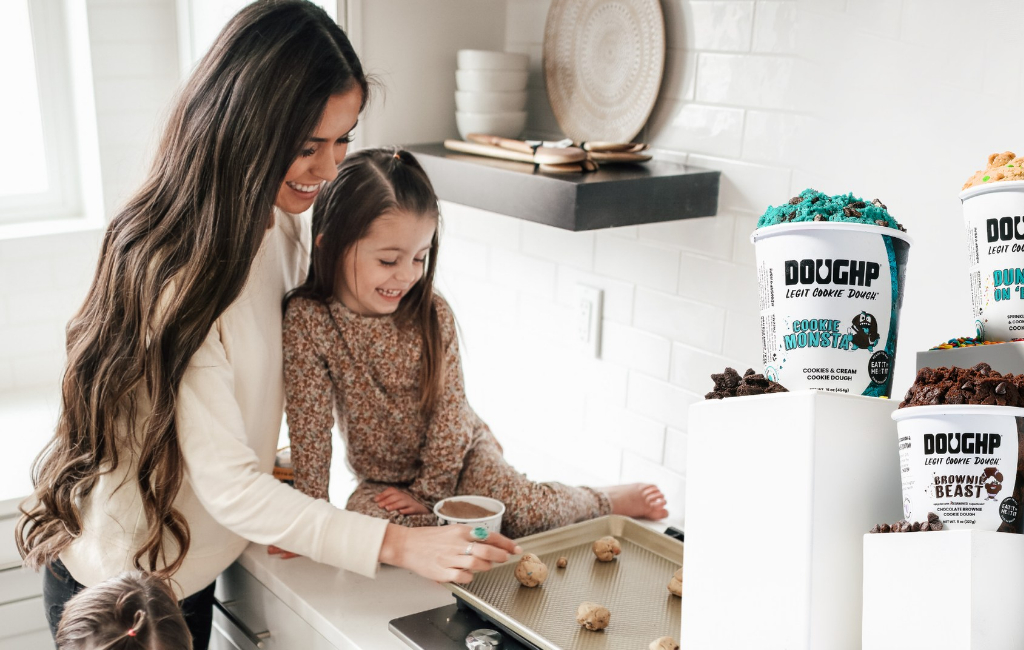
(634, 587)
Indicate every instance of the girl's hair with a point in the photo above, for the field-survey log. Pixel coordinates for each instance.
(371, 183)
(129, 611)
(174, 259)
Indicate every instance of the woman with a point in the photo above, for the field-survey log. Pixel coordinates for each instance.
(173, 392)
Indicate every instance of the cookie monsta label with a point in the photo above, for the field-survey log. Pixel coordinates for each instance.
(830, 299)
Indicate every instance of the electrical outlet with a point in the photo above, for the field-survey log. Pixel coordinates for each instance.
(588, 319)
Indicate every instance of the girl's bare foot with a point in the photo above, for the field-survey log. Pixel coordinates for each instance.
(642, 500)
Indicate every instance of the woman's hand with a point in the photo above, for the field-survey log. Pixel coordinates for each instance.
(393, 499)
(285, 555)
(444, 553)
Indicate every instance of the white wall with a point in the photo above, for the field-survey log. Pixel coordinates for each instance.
(896, 99)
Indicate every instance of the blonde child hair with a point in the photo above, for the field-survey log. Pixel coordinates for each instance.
(130, 611)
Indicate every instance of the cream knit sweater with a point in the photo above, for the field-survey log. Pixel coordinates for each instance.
(229, 412)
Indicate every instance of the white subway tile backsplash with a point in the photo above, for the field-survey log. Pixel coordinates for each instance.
(645, 264)
(770, 137)
(722, 26)
(603, 381)
(659, 400)
(517, 271)
(31, 340)
(617, 299)
(626, 232)
(692, 368)
(558, 245)
(28, 307)
(679, 77)
(880, 17)
(43, 369)
(708, 235)
(743, 249)
(746, 186)
(635, 349)
(6, 375)
(462, 256)
(490, 228)
(696, 128)
(623, 429)
(675, 450)
(679, 319)
(775, 27)
(743, 337)
(750, 80)
(716, 282)
(542, 318)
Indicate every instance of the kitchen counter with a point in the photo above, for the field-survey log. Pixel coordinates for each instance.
(350, 611)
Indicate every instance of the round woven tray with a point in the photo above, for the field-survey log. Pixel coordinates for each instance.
(603, 61)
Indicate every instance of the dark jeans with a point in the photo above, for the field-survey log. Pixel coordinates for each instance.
(59, 587)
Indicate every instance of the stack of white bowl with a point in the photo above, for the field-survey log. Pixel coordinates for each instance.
(490, 95)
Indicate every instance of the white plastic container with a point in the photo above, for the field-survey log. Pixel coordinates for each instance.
(960, 461)
(491, 523)
(830, 298)
(994, 214)
(491, 60)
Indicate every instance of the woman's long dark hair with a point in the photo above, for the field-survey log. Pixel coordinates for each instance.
(371, 183)
(172, 261)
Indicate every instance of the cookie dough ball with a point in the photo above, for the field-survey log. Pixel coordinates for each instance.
(664, 643)
(675, 585)
(562, 562)
(593, 616)
(607, 548)
(530, 571)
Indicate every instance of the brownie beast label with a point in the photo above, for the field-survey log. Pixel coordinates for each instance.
(830, 299)
(966, 474)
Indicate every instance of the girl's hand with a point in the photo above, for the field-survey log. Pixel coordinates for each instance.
(393, 499)
(285, 555)
(440, 552)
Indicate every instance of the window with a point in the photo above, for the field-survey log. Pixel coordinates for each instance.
(38, 169)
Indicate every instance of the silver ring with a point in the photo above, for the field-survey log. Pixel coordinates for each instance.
(469, 549)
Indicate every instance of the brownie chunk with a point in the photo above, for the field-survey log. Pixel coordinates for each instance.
(977, 385)
(728, 383)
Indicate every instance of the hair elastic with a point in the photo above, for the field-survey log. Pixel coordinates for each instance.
(140, 616)
(398, 157)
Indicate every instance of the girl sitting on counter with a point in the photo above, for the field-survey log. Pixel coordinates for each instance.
(366, 333)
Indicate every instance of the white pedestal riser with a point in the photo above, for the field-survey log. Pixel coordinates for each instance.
(948, 590)
(780, 490)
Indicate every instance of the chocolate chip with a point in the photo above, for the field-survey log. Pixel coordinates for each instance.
(1001, 388)
(881, 222)
(815, 200)
(878, 204)
(858, 204)
(885, 528)
(967, 386)
(796, 200)
(818, 217)
(875, 529)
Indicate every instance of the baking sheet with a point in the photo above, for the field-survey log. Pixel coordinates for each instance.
(634, 588)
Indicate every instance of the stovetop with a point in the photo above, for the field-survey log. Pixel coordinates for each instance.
(445, 628)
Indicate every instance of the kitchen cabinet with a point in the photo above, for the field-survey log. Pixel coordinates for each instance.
(23, 623)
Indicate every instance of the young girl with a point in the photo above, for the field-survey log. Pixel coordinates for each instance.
(367, 335)
(173, 393)
(132, 611)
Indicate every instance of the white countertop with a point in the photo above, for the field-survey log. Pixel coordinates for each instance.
(349, 610)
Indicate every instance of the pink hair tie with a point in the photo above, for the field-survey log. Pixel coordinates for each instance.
(131, 631)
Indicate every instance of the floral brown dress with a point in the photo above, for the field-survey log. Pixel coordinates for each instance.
(366, 369)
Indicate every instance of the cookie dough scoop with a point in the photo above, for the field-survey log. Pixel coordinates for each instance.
(664, 643)
(593, 616)
(607, 548)
(675, 585)
(531, 572)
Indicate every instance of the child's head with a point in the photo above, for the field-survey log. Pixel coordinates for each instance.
(130, 611)
(375, 232)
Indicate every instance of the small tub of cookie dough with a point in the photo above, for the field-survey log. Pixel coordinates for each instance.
(994, 215)
(961, 462)
(470, 510)
(831, 272)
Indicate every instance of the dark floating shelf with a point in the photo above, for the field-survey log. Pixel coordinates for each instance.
(615, 195)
